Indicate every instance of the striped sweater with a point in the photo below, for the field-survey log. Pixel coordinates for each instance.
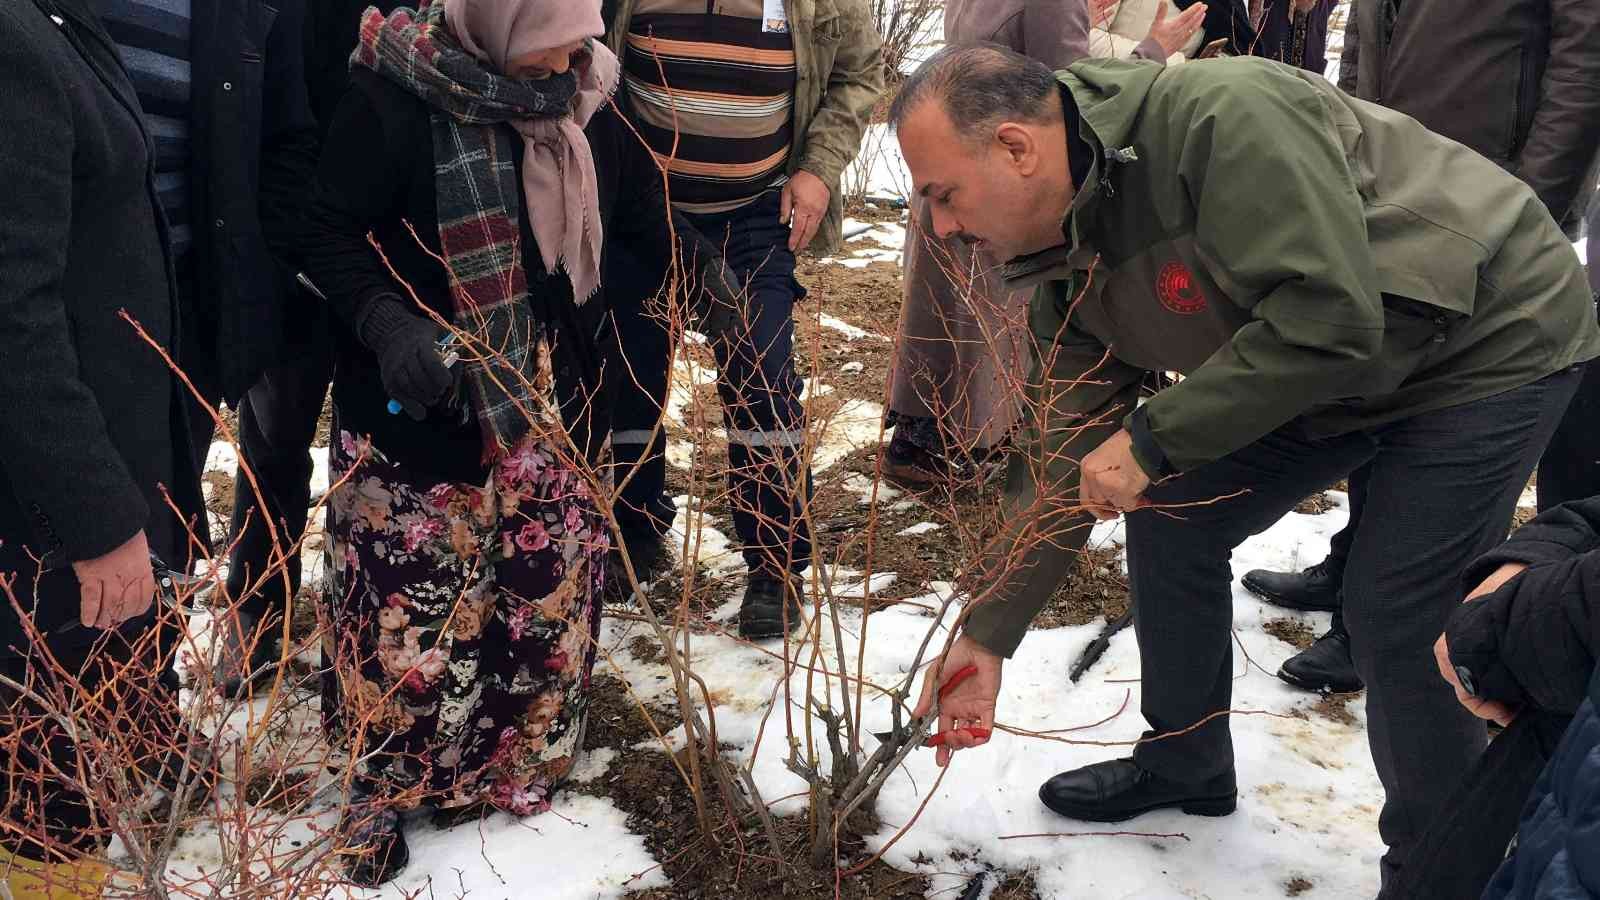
(711, 86)
(153, 38)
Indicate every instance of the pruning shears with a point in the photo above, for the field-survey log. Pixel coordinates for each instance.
(943, 737)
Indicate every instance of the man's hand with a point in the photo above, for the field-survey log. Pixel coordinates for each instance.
(1101, 12)
(1483, 709)
(802, 206)
(116, 587)
(1305, 6)
(1111, 482)
(969, 705)
(1174, 34)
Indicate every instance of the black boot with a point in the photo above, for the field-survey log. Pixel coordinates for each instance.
(1325, 665)
(1118, 790)
(771, 606)
(650, 560)
(372, 840)
(1314, 590)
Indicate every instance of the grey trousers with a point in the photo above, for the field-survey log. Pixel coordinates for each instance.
(1441, 491)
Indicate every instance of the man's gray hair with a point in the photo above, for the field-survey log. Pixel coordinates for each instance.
(980, 85)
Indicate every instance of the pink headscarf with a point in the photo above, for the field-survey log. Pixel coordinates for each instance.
(557, 168)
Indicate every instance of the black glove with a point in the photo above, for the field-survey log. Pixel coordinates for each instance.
(408, 355)
(719, 305)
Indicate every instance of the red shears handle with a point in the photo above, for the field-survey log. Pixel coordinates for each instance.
(955, 681)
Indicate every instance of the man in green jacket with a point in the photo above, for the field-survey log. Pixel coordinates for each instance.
(754, 108)
(1337, 285)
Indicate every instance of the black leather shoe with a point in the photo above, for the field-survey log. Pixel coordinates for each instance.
(1119, 789)
(373, 842)
(1324, 666)
(1314, 590)
(771, 607)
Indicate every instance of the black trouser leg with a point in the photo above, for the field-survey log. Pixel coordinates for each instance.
(1179, 570)
(277, 425)
(1441, 492)
(1570, 467)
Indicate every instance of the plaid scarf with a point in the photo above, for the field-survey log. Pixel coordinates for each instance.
(477, 185)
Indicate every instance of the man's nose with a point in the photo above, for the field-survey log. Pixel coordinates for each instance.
(561, 64)
(944, 224)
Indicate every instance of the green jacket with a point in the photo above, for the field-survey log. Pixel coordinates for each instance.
(840, 62)
(1294, 253)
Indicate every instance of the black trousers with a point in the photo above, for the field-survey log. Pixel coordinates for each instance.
(277, 425)
(1441, 487)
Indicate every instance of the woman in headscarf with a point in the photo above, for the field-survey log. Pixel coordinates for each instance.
(479, 148)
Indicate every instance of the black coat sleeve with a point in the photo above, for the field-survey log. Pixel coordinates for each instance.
(1534, 641)
(55, 447)
(363, 179)
(288, 134)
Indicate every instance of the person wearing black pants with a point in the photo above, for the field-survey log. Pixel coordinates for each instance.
(278, 416)
(1410, 58)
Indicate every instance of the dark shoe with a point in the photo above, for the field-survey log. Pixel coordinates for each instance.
(1314, 590)
(771, 607)
(1119, 790)
(1324, 666)
(650, 560)
(911, 466)
(235, 669)
(373, 841)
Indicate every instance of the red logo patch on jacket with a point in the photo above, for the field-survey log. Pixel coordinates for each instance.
(1177, 290)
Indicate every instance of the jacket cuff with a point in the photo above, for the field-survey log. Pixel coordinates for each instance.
(1151, 49)
(994, 630)
(1151, 458)
(1473, 635)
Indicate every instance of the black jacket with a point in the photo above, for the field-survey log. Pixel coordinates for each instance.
(376, 176)
(90, 423)
(254, 153)
(1534, 641)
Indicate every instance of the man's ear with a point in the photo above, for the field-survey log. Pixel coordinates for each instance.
(1020, 145)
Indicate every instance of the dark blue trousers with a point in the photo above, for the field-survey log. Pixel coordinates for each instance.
(757, 383)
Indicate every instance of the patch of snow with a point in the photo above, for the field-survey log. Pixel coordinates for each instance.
(850, 332)
(853, 367)
(920, 528)
(862, 486)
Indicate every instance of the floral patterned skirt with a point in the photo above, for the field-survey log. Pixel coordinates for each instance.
(464, 618)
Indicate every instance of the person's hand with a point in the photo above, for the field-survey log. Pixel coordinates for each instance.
(970, 704)
(116, 587)
(1101, 12)
(407, 346)
(1305, 6)
(802, 206)
(1172, 34)
(1111, 481)
(1483, 709)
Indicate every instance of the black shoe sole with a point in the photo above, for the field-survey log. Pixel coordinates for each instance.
(1280, 601)
(1209, 807)
(766, 630)
(1320, 686)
